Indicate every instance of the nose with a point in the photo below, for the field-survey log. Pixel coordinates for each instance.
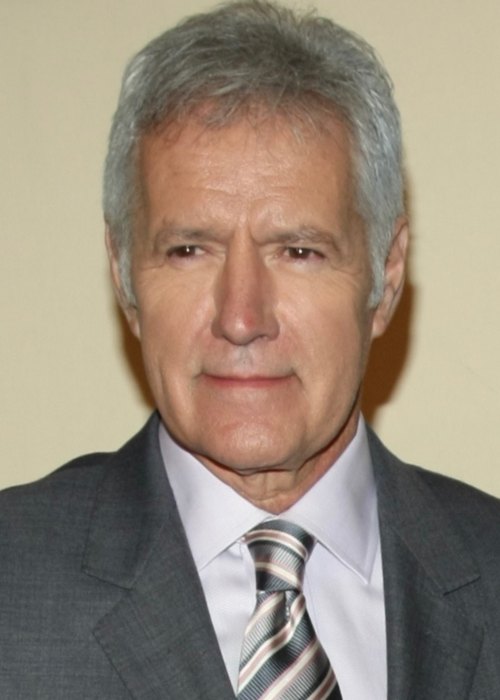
(244, 303)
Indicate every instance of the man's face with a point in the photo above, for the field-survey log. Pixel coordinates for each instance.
(252, 278)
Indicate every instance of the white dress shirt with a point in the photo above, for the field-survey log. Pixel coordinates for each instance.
(343, 582)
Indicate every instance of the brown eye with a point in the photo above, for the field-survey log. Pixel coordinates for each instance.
(301, 253)
(183, 251)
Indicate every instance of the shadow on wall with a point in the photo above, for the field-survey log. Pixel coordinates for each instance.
(388, 356)
(389, 353)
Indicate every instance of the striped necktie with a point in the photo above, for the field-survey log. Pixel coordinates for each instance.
(282, 658)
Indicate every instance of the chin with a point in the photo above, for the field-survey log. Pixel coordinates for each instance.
(247, 454)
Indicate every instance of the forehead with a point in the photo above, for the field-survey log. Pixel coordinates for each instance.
(246, 155)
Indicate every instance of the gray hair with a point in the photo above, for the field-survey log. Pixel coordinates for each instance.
(256, 52)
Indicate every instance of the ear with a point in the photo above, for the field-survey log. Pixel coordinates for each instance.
(394, 276)
(128, 308)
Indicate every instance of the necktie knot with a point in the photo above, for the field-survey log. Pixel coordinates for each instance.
(280, 550)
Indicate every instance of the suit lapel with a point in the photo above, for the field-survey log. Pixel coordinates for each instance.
(431, 588)
(158, 636)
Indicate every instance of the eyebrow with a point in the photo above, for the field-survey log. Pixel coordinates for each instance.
(305, 234)
(184, 234)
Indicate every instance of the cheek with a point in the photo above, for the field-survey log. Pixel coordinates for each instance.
(331, 325)
(172, 325)
(335, 351)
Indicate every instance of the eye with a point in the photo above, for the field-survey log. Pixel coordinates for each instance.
(184, 251)
(301, 253)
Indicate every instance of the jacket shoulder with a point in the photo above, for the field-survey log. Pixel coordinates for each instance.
(78, 476)
(79, 473)
(63, 500)
(50, 515)
(452, 493)
(426, 499)
(474, 513)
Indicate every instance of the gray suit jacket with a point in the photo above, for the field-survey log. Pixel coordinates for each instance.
(100, 599)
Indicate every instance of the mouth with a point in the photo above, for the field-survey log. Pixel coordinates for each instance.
(255, 381)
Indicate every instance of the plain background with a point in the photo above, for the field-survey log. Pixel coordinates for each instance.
(67, 381)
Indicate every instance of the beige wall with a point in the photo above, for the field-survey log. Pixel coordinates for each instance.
(65, 380)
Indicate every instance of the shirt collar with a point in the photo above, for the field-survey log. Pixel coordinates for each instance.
(340, 510)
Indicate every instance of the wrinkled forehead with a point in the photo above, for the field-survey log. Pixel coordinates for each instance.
(263, 124)
(256, 140)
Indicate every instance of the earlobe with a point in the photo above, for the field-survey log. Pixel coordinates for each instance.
(129, 309)
(394, 276)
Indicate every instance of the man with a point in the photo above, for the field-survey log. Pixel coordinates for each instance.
(257, 242)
